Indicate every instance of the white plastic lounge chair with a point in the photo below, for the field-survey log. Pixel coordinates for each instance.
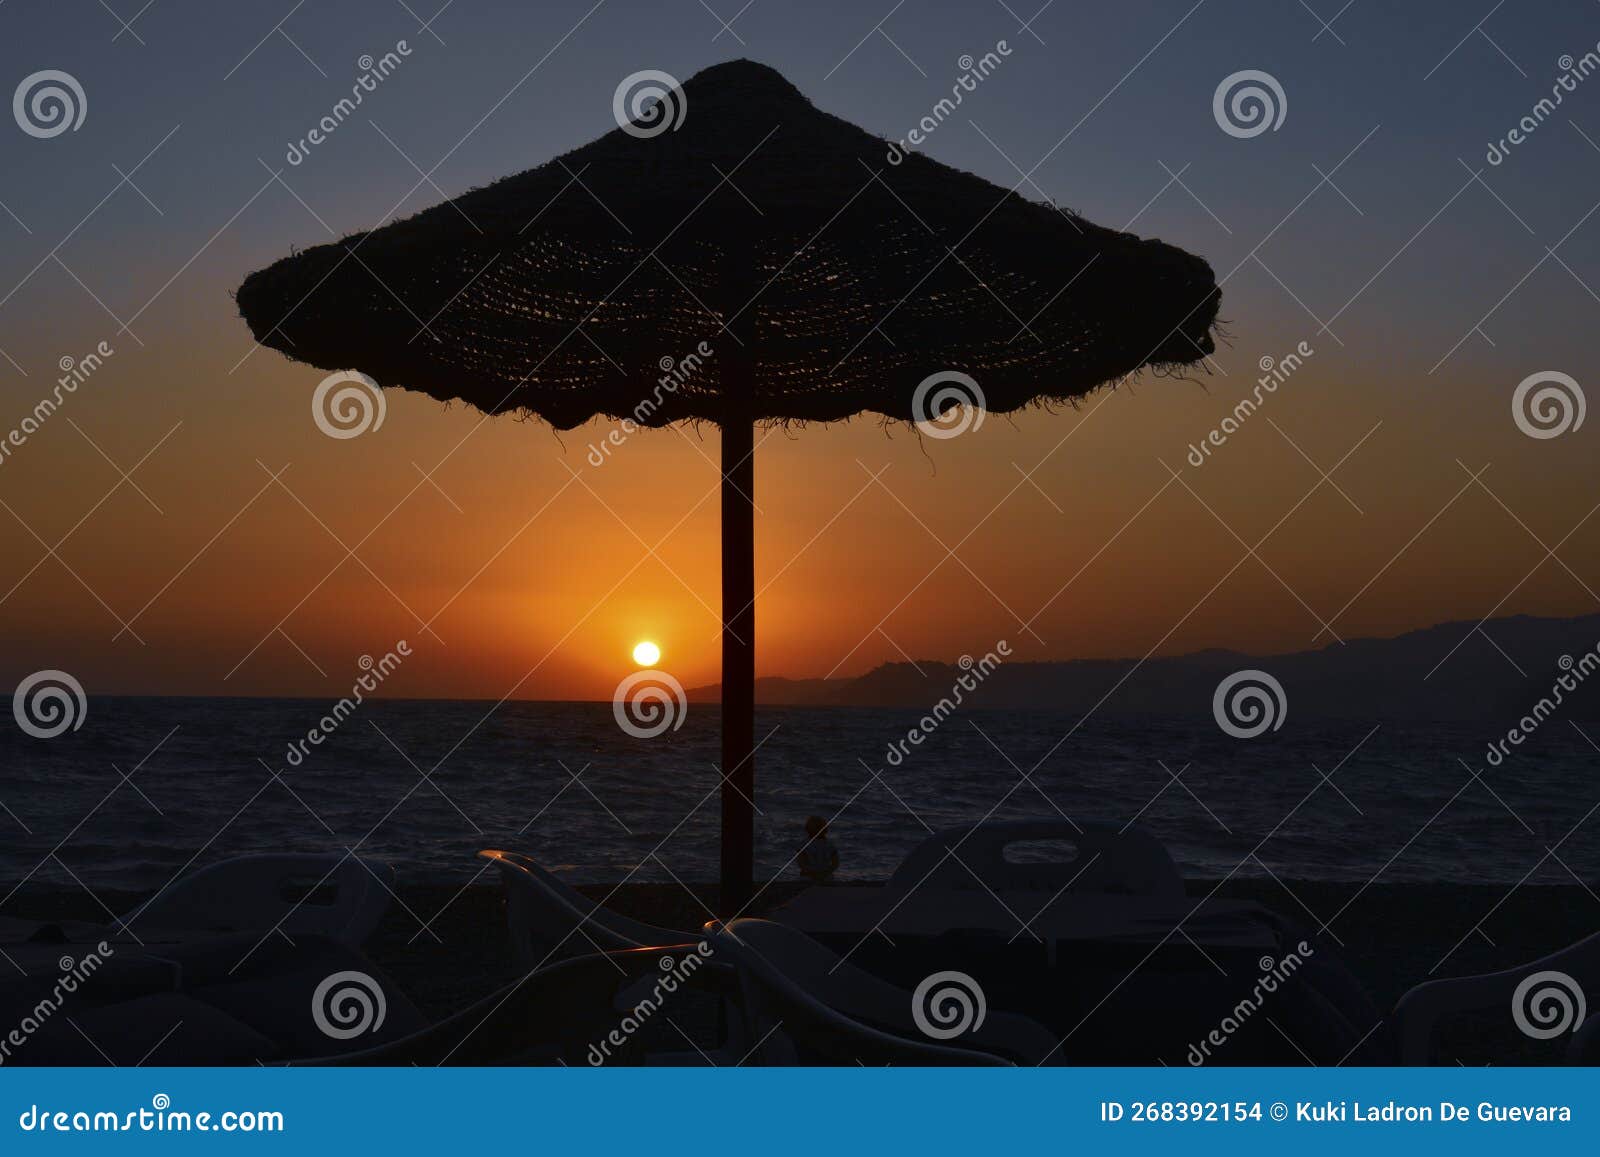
(1420, 1011)
(545, 916)
(804, 1004)
(1131, 862)
(337, 896)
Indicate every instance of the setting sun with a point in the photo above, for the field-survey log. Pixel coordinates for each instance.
(647, 654)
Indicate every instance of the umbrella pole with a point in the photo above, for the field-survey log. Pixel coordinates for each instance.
(738, 658)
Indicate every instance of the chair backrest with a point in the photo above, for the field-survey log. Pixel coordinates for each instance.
(832, 1011)
(1104, 859)
(545, 916)
(1546, 1001)
(338, 896)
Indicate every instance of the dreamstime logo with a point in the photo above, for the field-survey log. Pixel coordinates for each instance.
(948, 1004)
(1548, 1004)
(676, 973)
(373, 73)
(348, 1004)
(1573, 72)
(1249, 703)
(155, 1119)
(48, 103)
(348, 404)
(947, 404)
(375, 671)
(73, 974)
(1547, 404)
(47, 703)
(74, 373)
(1274, 373)
(974, 672)
(674, 373)
(647, 703)
(973, 73)
(1248, 103)
(649, 103)
(1274, 975)
(1573, 673)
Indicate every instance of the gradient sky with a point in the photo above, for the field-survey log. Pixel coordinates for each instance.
(1071, 537)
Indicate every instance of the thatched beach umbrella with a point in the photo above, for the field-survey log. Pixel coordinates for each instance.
(825, 273)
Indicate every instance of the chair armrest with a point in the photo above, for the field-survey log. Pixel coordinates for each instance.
(1419, 1012)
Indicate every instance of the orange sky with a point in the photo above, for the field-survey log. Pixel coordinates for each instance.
(540, 584)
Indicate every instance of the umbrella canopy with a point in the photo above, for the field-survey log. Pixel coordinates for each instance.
(825, 274)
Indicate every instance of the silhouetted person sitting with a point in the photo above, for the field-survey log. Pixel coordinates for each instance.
(819, 859)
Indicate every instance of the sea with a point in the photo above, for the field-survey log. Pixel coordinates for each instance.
(144, 789)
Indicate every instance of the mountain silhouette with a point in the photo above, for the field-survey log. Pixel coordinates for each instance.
(1451, 671)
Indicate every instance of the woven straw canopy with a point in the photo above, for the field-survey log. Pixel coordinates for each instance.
(779, 264)
(561, 290)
